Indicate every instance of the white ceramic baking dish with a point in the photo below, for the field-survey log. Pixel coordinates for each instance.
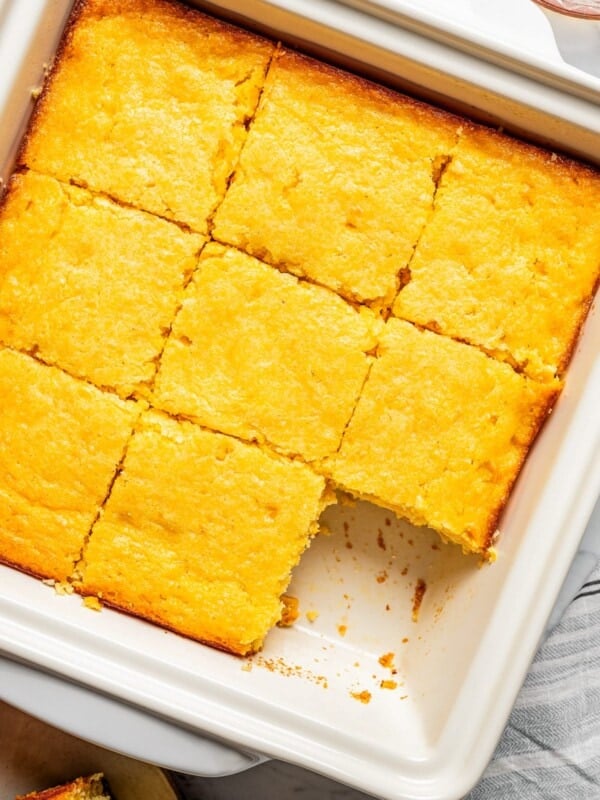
(461, 664)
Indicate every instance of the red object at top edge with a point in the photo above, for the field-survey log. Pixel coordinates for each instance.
(584, 9)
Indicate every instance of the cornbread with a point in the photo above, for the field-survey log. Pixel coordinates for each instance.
(511, 257)
(60, 443)
(148, 102)
(86, 284)
(336, 179)
(93, 787)
(233, 279)
(440, 433)
(253, 349)
(200, 533)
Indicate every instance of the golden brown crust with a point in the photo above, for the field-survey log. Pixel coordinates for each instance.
(92, 787)
(407, 130)
(375, 94)
(96, 8)
(543, 413)
(226, 646)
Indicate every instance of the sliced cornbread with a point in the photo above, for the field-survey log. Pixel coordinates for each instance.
(260, 355)
(60, 443)
(169, 153)
(149, 102)
(440, 433)
(511, 256)
(201, 532)
(336, 179)
(92, 787)
(86, 284)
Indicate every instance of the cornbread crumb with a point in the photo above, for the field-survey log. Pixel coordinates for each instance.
(418, 595)
(363, 697)
(387, 660)
(312, 616)
(388, 684)
(290, 611)
(92, 603)
(63, 588)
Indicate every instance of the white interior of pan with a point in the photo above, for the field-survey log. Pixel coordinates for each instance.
(457, 668)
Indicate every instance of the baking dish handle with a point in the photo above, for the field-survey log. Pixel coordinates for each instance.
(115, 725)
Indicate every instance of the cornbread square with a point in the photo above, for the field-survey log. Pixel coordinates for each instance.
(440, 433)
(92, 787)
(260, 355)
(86, 284)
(200, 533)
(148, 102)
(60, 443)
(336, 179)
(511, 257)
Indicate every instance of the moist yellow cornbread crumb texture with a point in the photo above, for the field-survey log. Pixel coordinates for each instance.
(148, 103)
(86, 284)
(440, 433)
(260, 355)
(255, 244)
(60, 443)
(336, 179)
(511, 257)
(200, 533)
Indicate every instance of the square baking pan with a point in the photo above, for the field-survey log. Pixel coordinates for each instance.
(397, 702)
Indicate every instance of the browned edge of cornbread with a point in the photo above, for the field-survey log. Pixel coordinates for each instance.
(540, 420)
(221, 644)
(178, 7)
(377, 93)
(76, 784)
(492, 530)
(569, 166)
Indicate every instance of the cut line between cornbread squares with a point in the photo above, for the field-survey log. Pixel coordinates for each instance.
(60, 444)
(87, 284)
(440, 433)
(336, 179)
(200, 533)
(148, 102)
(511, 257)
(260, 355)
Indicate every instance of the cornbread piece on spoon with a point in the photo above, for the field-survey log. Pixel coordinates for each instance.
(60, 443)
(511, 256)
(88, 285)
(260, 355)
(201, 532)
(148, 102)
(336, 179)
(440, 434)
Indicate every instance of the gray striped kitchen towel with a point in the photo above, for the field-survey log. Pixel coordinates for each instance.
(550, 749)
